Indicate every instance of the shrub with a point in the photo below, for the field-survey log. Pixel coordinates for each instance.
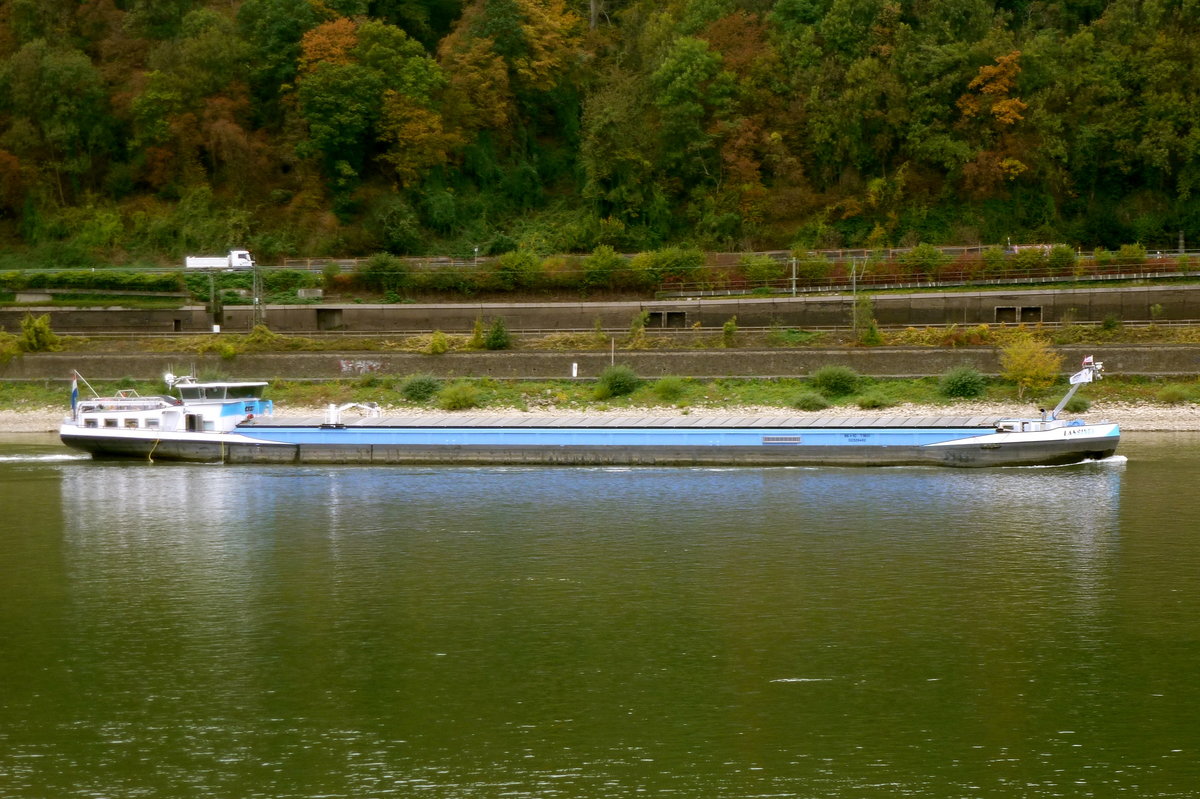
(813, 269)
(1131, 254)
(476, 340)
(383, 273)
(1030, 363)
(458, 396)
(9, 347)
(870, 335)
(601, 267)
(809, 400)
(637, 331)
(1029, 260)
(330, 276)
(994, 261)
(1077, 404)
(669, 389)
(616, 381)
(729, 332)
(1061, 259)
(863, 314)
(762, 268)
(438, 343)
(497, 337)
(923, 260)
(520, 269)
(420, 388)
(835, 381)
(962, 382)
(673, 264)
(36, 335)
(872, 400)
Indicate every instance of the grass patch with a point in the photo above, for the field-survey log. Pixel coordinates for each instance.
(669, 389)
(873, 400)
(1174, 394)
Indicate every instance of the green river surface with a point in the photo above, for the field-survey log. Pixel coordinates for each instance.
(176, 630)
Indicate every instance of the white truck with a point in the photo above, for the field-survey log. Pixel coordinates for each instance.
(236, 259)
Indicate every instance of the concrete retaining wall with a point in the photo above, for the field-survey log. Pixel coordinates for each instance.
(1173, 361)
(981, 307)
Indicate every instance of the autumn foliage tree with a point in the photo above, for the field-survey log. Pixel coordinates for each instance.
(352, 126)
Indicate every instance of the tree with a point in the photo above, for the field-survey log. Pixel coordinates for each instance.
(992, 110)
(58, 111)
(1030, 363)
(416, 138)
(340, 103)
(691, 90)
(365, 83)
(276, 28)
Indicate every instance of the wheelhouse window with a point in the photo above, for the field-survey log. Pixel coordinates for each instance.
(245, 392)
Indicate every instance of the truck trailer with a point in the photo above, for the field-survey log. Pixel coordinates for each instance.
(236, 259)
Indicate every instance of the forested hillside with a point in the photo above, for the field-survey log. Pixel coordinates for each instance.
(143, 129)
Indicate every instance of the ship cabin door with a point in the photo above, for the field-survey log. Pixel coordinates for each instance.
(193, 422)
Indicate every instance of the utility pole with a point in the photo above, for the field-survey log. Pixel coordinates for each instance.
(854, 295)
(256, 290)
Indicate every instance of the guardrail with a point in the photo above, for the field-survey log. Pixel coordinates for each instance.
(785, 287)
(624, 331)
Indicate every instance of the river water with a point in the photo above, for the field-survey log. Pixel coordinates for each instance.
(217, 631)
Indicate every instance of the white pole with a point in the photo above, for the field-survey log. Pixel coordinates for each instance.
(854, 294)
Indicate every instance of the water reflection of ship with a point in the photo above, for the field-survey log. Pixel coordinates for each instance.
(201, 507)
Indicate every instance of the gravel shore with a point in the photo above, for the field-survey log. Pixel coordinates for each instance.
(1131, 417)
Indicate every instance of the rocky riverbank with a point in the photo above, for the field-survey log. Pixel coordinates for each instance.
(1131, 417)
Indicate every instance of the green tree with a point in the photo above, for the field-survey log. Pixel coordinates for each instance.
(275, 27)
(341, 103)
(691, 91)
(58, 113)
(497, 337)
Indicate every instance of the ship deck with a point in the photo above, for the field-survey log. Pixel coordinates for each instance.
(632, 421)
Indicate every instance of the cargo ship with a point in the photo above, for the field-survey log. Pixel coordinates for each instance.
(231, 422)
